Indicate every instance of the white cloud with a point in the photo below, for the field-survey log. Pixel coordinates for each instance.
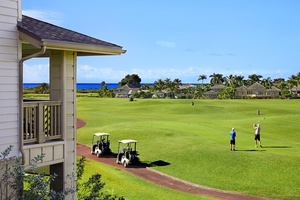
(166, 44)
(89, 74)
(36, 73)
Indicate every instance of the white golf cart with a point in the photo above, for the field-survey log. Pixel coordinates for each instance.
(100, 144)
(127, 153)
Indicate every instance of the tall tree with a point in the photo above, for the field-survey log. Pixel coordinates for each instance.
(103, 84)
(254, 78)
(159, 85)
(216, 79)
(133, 79)
(202, 77)
(267, 82)
(240, 81)
(278, 81)
(177, 81)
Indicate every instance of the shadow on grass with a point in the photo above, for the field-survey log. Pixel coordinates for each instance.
(158, 163)
(250, 150)
(277, 147)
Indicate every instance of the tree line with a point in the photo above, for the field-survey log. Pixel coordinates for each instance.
(231, 82)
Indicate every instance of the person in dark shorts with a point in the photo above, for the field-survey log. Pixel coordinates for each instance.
(232, 139)
(257, 135)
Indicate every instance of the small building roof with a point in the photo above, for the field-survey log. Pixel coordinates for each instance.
(211, 92)
(256, 86)
(184, 86)
(242, 88)
(296, 88)
(273, 88)
(128, 87)
(35, 34)
(217, 87)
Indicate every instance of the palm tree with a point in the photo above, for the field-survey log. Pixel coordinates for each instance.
(173, 86)
(202, 77)
(254, 78)
(291, 83)
(159, 85)
(282, 85)
(278, 81)
(240, 81)
(267, 82)
(177, 81)
(216, 79)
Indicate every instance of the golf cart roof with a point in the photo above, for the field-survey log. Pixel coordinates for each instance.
(127, 141)
(101, 134)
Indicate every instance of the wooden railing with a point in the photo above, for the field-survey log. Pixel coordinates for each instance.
(41, 121)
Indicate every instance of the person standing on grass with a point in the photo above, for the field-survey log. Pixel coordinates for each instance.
(257, 135)
(232, 139)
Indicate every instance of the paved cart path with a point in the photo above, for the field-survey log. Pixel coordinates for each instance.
(159, 178)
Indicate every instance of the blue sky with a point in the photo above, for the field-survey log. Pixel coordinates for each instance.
(177, 39)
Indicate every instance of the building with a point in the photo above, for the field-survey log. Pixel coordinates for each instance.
(212, 93)
(256, 90)
(42, 126)
(126, 91)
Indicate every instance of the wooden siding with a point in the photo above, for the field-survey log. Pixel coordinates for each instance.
(9, 66)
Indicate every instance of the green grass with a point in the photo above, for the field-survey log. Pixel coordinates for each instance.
(195, 140)
(120, 183)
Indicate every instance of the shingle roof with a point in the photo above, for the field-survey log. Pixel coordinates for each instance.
(217, 87)
(273, 88)
(242, 88)
(256, 86)
(44, 30)
(210, 92)
(48, 34)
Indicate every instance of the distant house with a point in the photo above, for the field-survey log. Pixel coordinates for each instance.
(217, 87)
(273, 92)
(125, 91)
(212, 94)
(296, 90)
(186, 86)
(241, 91)
(159, 94)
(256, 90)
(37, 127)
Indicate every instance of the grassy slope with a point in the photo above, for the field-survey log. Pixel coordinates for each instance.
(195, 140)
(120, 183)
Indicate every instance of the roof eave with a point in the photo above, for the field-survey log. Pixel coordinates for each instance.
(83, 48)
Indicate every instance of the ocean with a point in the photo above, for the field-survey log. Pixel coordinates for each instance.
(80, 86)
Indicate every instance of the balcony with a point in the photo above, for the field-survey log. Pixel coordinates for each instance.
(41, 122)
(42, 131)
